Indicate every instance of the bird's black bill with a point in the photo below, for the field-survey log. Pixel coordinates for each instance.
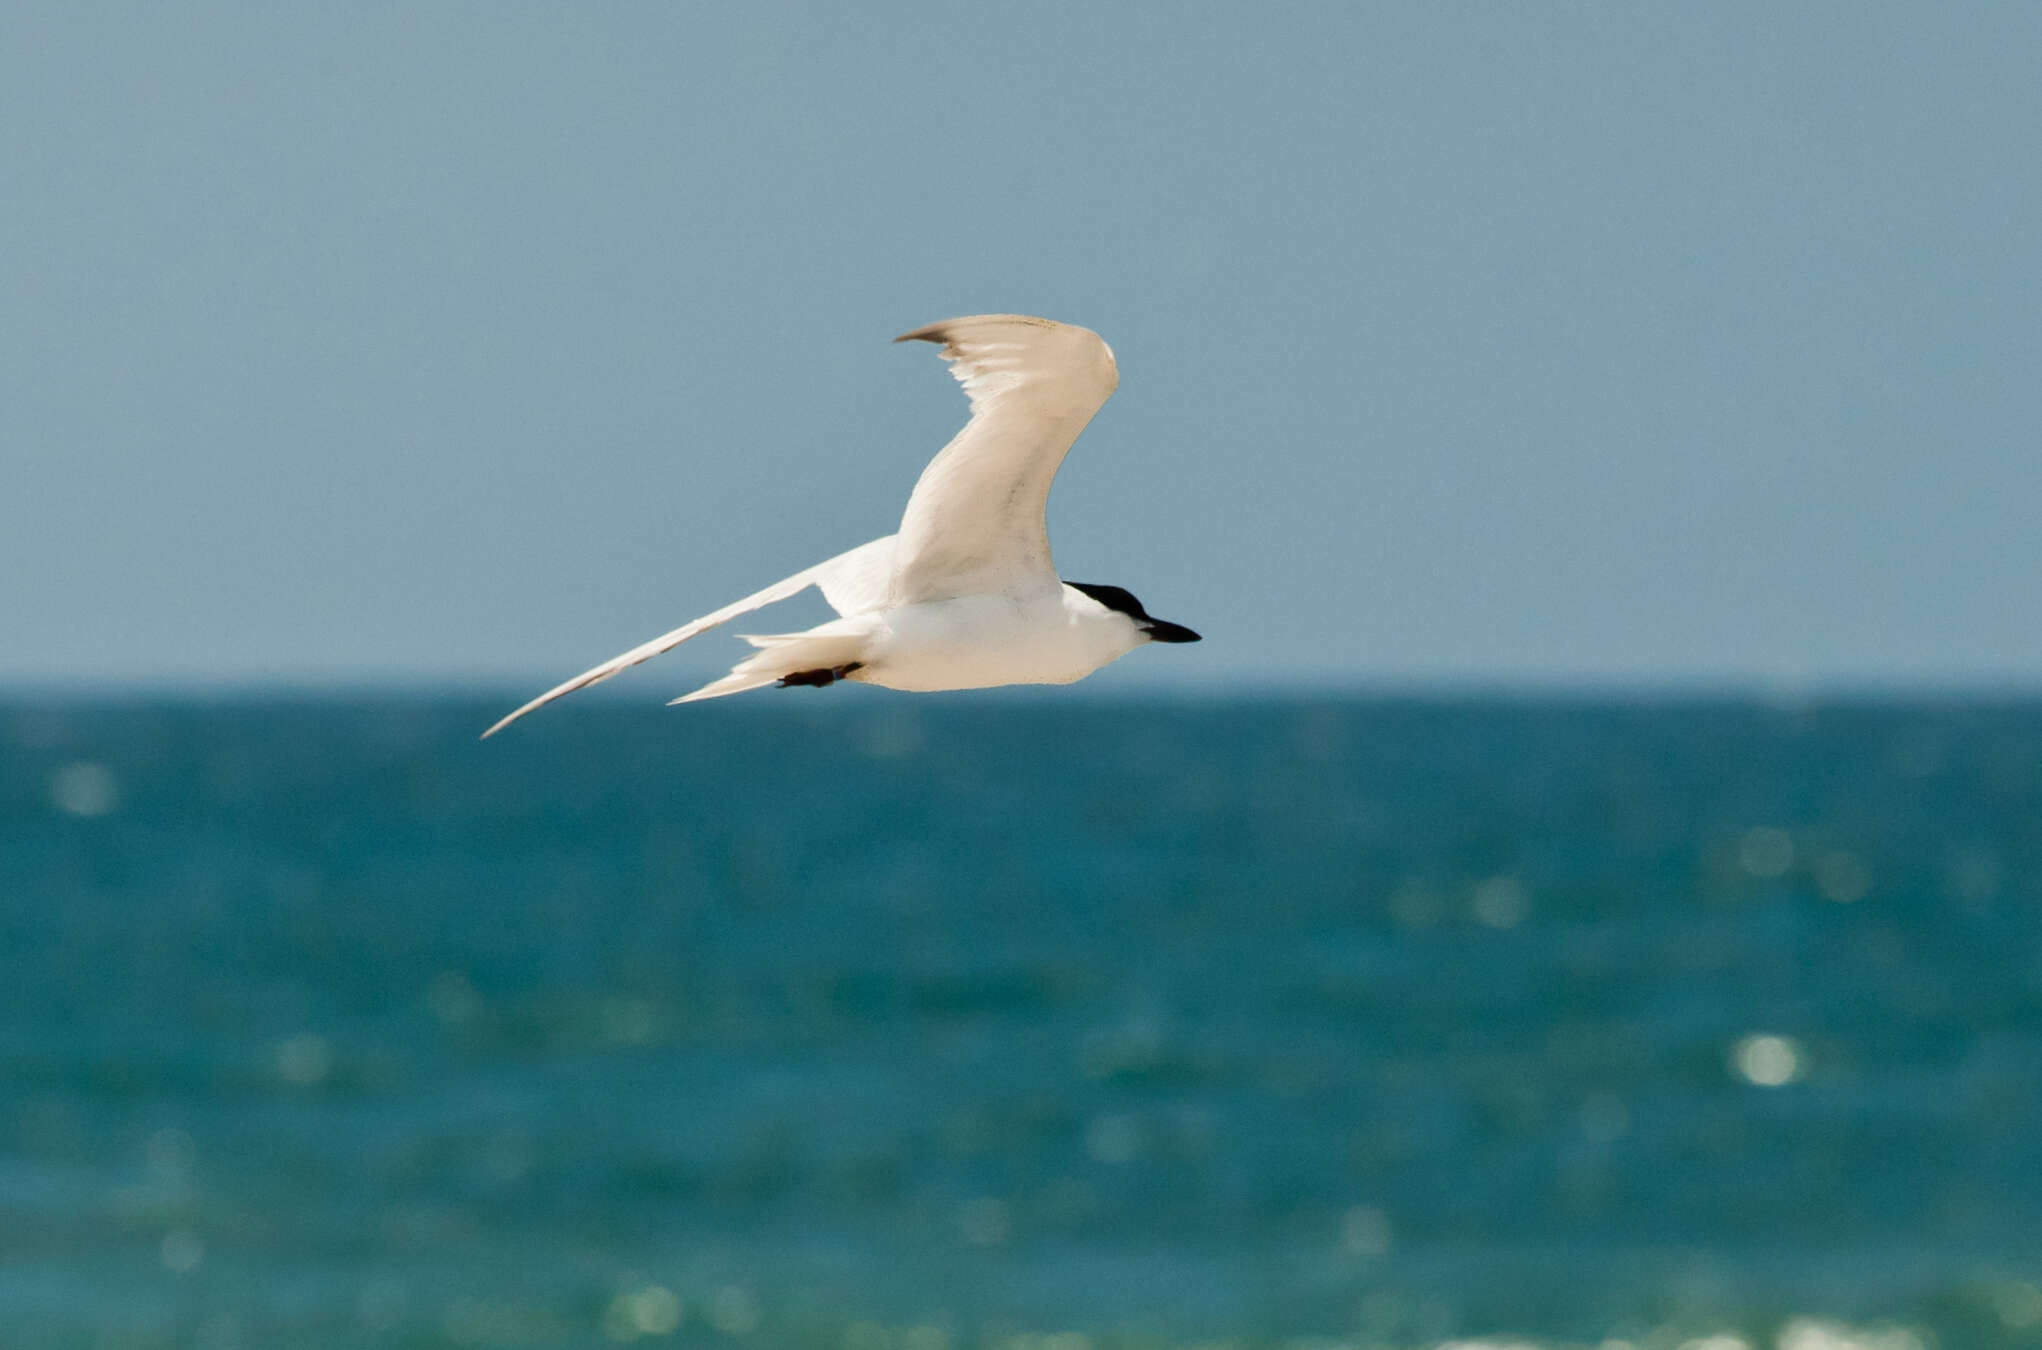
(1162, 630)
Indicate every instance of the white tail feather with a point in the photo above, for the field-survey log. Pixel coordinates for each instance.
(840, 642)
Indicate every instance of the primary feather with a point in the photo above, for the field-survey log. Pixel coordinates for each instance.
(852, 582)
(982, 504)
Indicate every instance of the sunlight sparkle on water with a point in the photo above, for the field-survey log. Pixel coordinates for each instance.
(2018, 1304)
(304, 1059)
(1765, 852)
(1365, 1232)
(1842, 877)
(182, 1250)
(1808, 1333)
(646, 1310)
(1767, 1060)
(1500, 902)
(1113, 1139)
(85, 789)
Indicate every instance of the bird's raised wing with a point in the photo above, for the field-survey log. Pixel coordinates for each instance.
(977, 519)
(852, 582)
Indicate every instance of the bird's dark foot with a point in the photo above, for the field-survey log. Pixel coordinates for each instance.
(819, 678)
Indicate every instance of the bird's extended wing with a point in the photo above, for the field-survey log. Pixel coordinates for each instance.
(977, 518)
(852, 582)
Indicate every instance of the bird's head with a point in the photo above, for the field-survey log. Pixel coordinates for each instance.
(1121, 601)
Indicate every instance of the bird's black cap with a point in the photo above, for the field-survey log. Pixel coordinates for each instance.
(1122, 601)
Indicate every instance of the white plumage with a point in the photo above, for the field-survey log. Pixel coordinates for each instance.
(964, 595)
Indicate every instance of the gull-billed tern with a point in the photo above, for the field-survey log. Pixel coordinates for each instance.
(964, 595)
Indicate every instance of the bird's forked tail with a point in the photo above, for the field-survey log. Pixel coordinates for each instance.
(832, 646)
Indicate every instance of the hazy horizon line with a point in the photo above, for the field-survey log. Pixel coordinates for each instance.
(1502, 688)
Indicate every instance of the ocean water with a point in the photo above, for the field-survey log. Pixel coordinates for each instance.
(879, 1023)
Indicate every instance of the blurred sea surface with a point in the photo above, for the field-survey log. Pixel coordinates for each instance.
(861, 1021)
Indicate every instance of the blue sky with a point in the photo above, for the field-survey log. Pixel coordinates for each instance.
(1459, 343)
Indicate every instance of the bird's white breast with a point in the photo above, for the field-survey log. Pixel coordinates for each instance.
(977, 641)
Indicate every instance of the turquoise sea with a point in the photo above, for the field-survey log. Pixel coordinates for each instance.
(839, 1019)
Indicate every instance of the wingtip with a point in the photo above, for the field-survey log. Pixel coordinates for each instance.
(948, 330)
(504, 722)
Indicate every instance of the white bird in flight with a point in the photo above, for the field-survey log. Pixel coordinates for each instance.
(964, 596)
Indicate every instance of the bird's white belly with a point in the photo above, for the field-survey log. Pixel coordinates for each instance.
(978, 641)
